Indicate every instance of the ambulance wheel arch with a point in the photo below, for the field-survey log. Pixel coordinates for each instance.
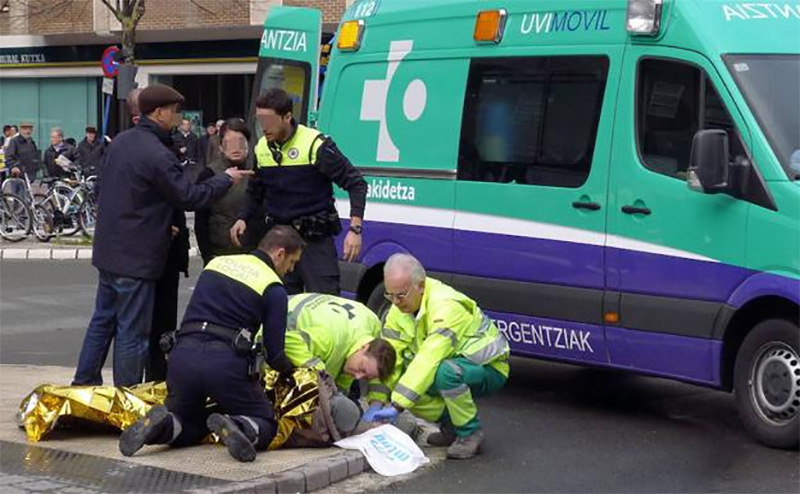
(377, 302)
(734, 326)
(767, 383)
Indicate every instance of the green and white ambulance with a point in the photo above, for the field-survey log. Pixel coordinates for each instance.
(617, 182)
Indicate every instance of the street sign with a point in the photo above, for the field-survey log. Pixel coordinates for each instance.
(108, 85)
(110, 65)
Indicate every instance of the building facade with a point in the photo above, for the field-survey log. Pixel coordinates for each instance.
(50, 57)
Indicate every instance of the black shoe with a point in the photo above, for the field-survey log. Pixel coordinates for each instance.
(445, 437)
(145, 431)
(231, 435)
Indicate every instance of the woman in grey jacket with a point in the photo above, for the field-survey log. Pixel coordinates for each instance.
(213, 224)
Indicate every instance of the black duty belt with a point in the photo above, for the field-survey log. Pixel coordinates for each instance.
(227, 334)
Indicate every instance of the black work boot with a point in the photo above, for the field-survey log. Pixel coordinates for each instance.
(232, 436)
(155, 428)
(445, 437)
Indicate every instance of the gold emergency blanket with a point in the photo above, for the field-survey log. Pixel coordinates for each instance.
(294, 404)
(121, 407)
(118, 407)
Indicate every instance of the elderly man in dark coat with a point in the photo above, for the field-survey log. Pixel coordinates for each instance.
(142, 183)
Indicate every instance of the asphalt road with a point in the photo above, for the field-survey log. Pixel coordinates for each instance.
(554, 428)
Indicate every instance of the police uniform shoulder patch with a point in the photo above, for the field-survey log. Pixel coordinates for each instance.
(293, 153)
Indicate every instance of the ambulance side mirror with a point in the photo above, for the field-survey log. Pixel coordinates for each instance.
(709, 162)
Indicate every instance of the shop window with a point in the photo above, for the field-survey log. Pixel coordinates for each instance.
(532, 120)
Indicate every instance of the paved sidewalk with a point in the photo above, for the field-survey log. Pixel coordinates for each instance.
(85, 461)
(67, 248)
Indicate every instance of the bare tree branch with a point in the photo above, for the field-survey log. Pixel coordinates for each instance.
(137, 12)
(116, 12)
(204, 9)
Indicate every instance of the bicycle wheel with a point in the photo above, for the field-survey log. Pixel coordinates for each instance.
(15, 218)
(43, 227)
(87, 216)
(63, 211)
(71, 222)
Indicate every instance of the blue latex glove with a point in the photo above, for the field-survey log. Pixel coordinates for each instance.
(369, 415)
(387, 414)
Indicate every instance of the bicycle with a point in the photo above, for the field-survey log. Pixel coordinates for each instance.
(43, 223)
(15, 218)
(87, 213)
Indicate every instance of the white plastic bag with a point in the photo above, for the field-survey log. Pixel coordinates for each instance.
(388, 450)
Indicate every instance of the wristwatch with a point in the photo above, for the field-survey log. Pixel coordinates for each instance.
(357, 229)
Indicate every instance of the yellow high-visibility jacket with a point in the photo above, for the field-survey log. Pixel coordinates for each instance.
(448, 324)
(323, 331)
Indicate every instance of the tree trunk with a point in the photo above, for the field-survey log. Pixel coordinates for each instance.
(128, 40)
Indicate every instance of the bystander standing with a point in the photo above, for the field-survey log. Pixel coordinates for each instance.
(142, 183)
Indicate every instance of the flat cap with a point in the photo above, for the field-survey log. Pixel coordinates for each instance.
(158, 96)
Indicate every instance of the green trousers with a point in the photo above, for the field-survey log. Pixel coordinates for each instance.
(450, 398)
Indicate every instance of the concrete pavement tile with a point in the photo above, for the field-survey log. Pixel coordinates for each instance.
(15, 253)
(39, 253)
(267, 486)
(355, 462)
(42, 485)
(337, 467)
(290, 482)
(13, 490)
(317, 475)
(84, 253)
(78, 490)
(12, 479)
(65, 254)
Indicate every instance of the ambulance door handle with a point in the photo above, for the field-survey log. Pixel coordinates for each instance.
(590, 206)
(636, 210)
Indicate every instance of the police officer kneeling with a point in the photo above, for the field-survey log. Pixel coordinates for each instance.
(213, 356)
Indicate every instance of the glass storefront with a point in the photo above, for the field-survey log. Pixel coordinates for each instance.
(69, 102)
(212, 96)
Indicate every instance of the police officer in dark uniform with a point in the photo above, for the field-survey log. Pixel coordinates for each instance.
(297, 167)
(213, 355)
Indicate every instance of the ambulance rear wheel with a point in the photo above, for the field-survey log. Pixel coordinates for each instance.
(767, 383)
(378, 303)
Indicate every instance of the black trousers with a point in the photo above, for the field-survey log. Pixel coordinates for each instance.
(201, 367)
(165, 319)
(317, 271)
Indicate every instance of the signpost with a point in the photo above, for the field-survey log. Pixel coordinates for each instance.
(110, 70)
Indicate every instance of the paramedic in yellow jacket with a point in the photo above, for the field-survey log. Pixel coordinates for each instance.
(337, 335)
(448, 351)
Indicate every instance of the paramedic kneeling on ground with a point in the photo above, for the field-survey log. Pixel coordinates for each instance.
(213, 359)
(448, 350)
(340, 337)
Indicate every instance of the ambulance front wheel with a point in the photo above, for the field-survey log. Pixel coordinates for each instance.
(378, 303)
(767, 383)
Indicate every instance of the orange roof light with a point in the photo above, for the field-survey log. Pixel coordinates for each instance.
(350, 35)
(489, 26)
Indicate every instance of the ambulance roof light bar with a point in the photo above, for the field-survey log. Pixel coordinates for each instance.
(489, 26)
(644, 17)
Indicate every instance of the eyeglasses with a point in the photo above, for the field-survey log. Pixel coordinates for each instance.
(399, 297)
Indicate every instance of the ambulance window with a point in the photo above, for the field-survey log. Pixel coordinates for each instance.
(674, 101)
(290, 75)
(532, 120)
